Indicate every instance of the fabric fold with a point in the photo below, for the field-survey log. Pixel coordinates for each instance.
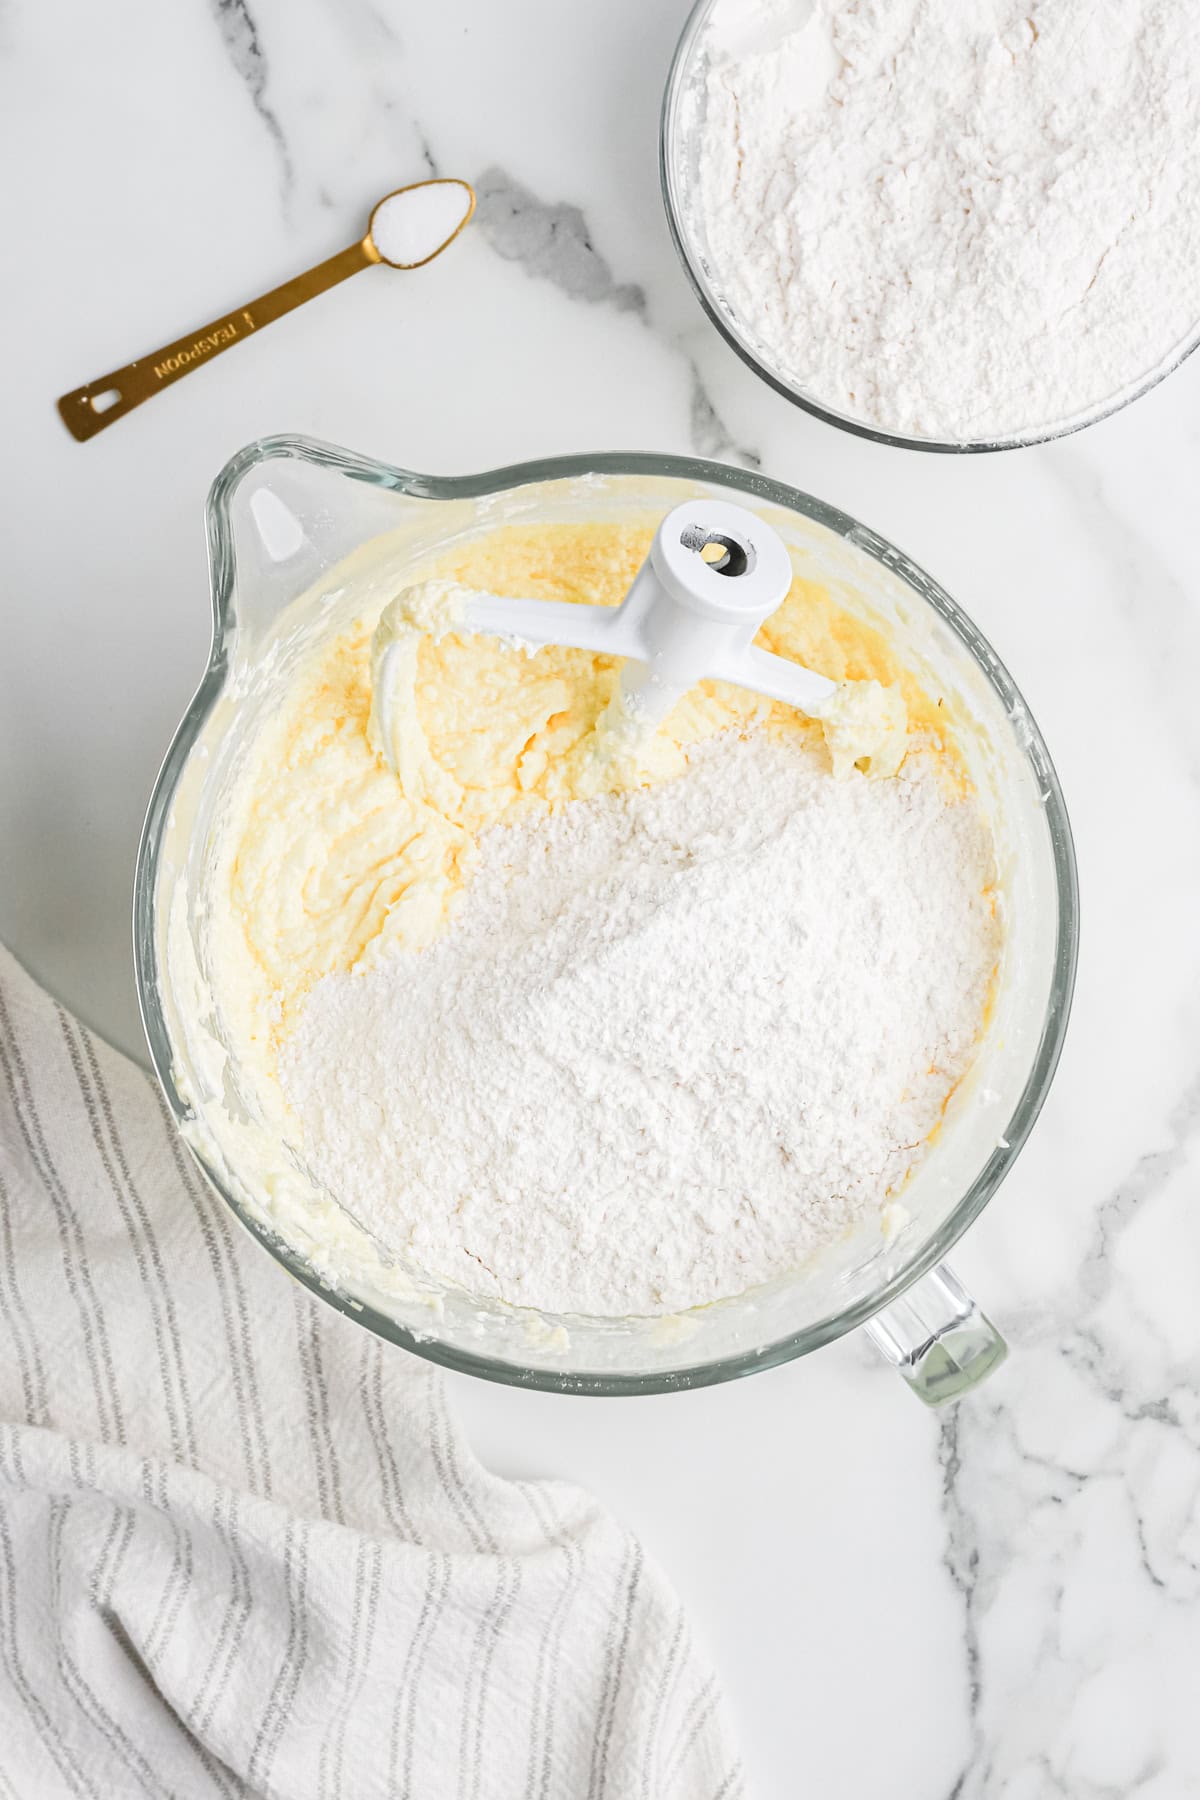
(244, 1549)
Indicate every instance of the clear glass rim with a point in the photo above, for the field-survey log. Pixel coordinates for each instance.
(470, 487)
(672, 93)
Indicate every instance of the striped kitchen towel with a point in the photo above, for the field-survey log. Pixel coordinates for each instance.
(243, 1549)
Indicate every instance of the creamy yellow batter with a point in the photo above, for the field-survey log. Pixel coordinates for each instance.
(330, 861)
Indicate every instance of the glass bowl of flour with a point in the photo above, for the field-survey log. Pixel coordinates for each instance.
(941, 227)
(306, 542)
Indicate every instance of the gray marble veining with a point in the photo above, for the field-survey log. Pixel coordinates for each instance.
(239, 34)
(551, 241)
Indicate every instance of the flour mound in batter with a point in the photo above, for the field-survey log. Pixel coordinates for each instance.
(674, 1041)
(595, 1033)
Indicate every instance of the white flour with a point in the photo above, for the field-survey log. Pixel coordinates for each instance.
(956, 219)
(674, 1041)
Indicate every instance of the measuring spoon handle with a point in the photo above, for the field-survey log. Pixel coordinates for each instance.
(101, 403)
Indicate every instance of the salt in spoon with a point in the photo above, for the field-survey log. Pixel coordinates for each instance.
(408, 228)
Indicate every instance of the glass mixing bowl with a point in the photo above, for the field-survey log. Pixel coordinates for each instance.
(303, 536)
(679, 135)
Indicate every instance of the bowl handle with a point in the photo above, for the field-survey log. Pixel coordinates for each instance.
(937, 1337)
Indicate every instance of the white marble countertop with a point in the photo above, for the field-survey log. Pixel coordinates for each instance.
(1004, 1600)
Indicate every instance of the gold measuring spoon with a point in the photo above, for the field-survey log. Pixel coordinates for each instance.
(408, 228)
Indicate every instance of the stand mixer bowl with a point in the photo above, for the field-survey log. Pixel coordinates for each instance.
(302, 537)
